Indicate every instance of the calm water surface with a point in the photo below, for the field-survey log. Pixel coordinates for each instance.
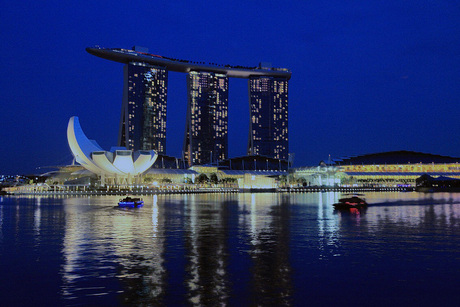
(233, 249)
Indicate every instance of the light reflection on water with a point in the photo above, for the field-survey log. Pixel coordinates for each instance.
(235, 249)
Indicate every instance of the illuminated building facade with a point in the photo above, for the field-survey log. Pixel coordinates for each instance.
(394, 175)
(268, 129)
(143, 113)
(386, 169)
(206, 137)
(117, 166)
(143, 121)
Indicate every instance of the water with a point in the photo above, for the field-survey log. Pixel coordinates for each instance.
(231, 249)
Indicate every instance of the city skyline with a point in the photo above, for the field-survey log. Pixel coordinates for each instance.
(367, 77)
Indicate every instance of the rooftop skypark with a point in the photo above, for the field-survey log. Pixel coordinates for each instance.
(140, 54)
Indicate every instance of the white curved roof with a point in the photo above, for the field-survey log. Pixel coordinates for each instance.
(92, 157)
(101, 160)
(144, 162)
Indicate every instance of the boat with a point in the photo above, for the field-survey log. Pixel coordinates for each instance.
(130, 202)
(351, 202)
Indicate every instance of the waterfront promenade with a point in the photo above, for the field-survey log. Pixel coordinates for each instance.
(214, 190)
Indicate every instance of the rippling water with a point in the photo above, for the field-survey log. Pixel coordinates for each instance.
(231, 249)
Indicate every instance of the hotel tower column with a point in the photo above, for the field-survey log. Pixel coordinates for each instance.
(206, 136)
(268, 125)
(143, 111)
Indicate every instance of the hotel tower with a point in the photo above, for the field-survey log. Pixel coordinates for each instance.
(143, 114)
(143, 111)
(206, 137)
(268, 125)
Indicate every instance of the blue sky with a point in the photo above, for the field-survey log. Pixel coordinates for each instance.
(367, 76)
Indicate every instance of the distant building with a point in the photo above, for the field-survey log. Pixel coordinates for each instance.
(168, 162)
(206, 131)
(268, 128)
(254, 163)
(385, 169)
(143, 112)
(397, 167)
(402, 157)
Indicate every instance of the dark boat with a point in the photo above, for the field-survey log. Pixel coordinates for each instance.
(130, 202)
(351, 202)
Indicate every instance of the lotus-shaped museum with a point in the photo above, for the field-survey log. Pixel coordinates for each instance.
(118, 163)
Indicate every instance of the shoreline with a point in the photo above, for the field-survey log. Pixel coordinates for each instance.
(217, 190)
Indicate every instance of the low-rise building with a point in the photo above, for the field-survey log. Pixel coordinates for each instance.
(387, 169)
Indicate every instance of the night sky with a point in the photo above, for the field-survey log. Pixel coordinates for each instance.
(367, 76)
